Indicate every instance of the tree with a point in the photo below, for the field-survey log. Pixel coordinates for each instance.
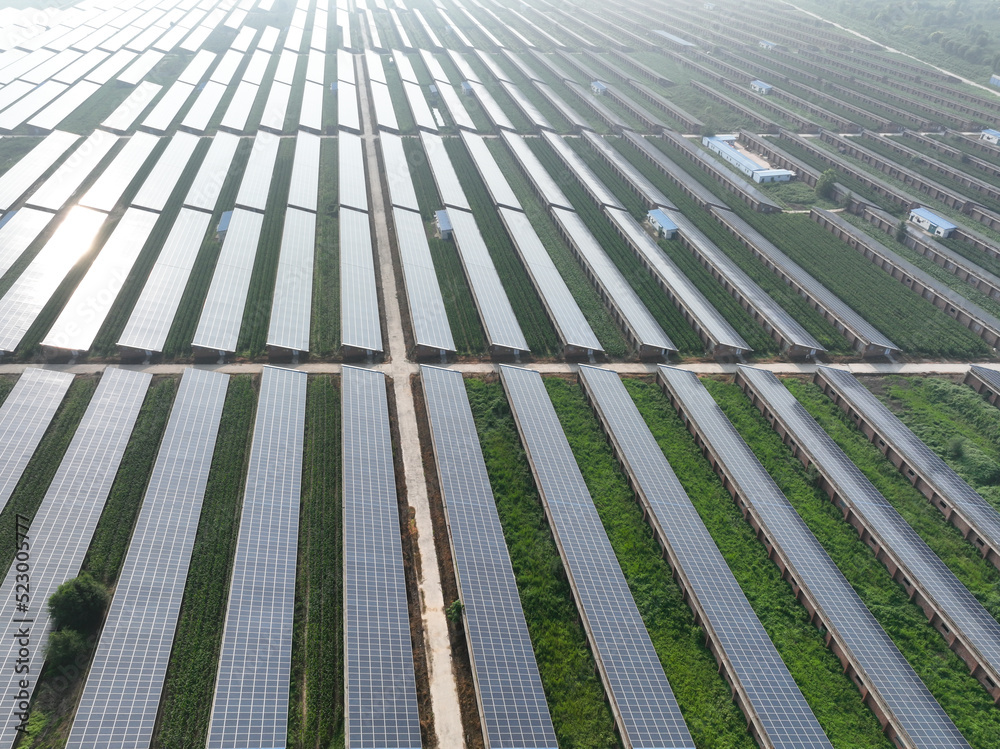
(64, 647)
(454, 612)
(901, 231)
(825, 184)
(78, 604)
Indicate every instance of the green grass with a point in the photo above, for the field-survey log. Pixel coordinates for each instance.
(538, 330)
(257, 313)
(190, 678)
(580, 715)
(962, 696)
(13, 150)
(818, 673)
(583, 292)
(656, 301)
(316, 701)
(404, 117)
(704, 696)
(6, 385)
(324, 331)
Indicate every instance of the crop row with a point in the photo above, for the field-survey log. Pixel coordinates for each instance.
(190, 679)
(324, 330)
(534, 322)
(583, 292)
(960, 694)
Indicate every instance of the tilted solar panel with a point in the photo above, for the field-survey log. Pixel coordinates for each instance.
(360, 321)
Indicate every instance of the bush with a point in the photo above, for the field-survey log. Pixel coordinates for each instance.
(65, 647)
(78, 603)
(825, 184)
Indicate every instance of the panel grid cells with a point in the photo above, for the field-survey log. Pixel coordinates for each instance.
(73, 172)
(212, 173)
(163, 177)
(397, 172)
(353, 187)
(644, 704)
(303, 190)
(909, 704)
(953, 602)
(291, 306)
(19, 230)
(361, 326)
(573, 328)
(24, 417)
(385, 111)
(250, 706)
(448, 185)
(257, 176)
(979, 513)
(120, 700)
(115, 179)
(348, 107)
(495, 311)
(153, 314)
(515, 713)
(381, 695)
(19, 178)
(222, 315)
(539, 176)
(64, 524)
(423, 293)
(499, 189)
(134, 105)
(784, 715)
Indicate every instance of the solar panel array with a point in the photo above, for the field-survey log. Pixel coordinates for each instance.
(777, 706)
(901, 547)
(445, 178)
(963, 499)
(222, 316)
(880, 667)
(987, 375)
(250, 706)
(641, 699)
(25, 414)
(291, 305)
(106, 191)
(381, 695)
(397, 172)
(257, 176)
(122, 694)
(29, 169)
(546, 187)
(19, 230)
(514, 710)
(64, 524)
(163, 177)
(303, 191)
(361, 326)
(353, 191)
(60, 186)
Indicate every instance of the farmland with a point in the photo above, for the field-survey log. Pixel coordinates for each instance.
(324, 333)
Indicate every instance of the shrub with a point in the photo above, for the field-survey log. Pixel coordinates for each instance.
(65, 647)
(79, 603)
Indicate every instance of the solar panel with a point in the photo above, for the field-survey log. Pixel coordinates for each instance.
(572, 327)
(88, 307)
(427, 313)
(222, 315)
(455, 107)
(643, 330)
(497, 185)
(345, 67)
(718, 335)
(154, 311)
(641, 699)
(431, 36)
(268, 38)
(162, 116)
(448, 185)
(13, 91)
(353, 191)
(120, 699)
(63, 526)
(285, 72)
(636, 179)
(494, 112)
(105, 192)
(359, 309)
(972, 510)
(212, 173)
(303, 190)
(24, 416)
(257, 176)
(546, 187)
(311, 113)
(197, 68)
(66, 180)
(316, 67)
(373, 63)
(49, 67)
(900, 546)
(397, 172)
(228, 66)
(250, 706)
(583, 173)
(257, 67)
(142, 66)
(385, 112)
(111, 67)
(74, 97)
(18, 230)
(23, 65)
(770, 697)
(419, 108)
(291, 305)
(20, 111)
(163, 177)
(988, 376)
(513, 707)
(238, 111)
(862, 643)
(24, 300)
(495, 311)
(348, 113)
(203, 109)
(404, 67)
(381, 695)
(434, 67)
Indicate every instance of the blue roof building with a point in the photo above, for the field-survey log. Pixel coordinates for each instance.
(995, 80)
(466, 88)
(990, 136)
(931, 222)
(223, 227)
(760, 87)
(661, 224)
(597, 87)
(443, 221)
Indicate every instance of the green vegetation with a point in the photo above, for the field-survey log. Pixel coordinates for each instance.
(581, 717)
(257, 313)
(190, 678)
(961, 556)
(962, 697)
(820, 676)
(656, 301)
(538, 330)
(78, 604)
(324, 332)
(584, 293)
(702, 693)
(13, 150)
(458, 301)
(777, 289)
(316, 699)
(404, 118)
(6, 385)
(953, 421)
